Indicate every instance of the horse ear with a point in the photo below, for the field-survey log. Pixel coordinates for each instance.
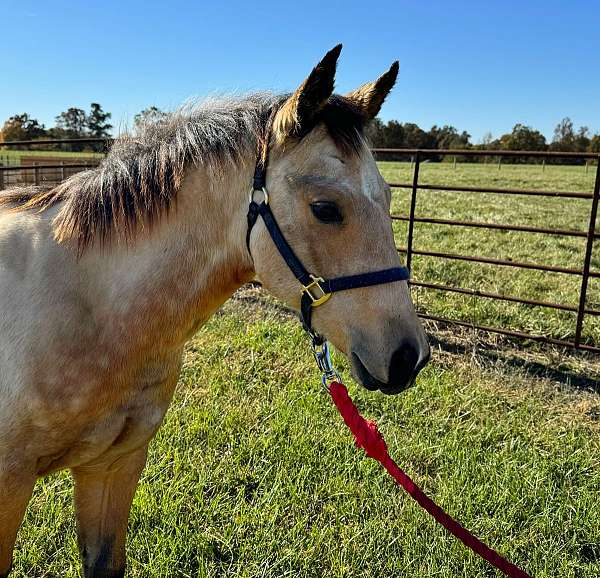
(369, 97)
(297, 114)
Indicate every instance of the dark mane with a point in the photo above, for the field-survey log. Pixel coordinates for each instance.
(137, 182)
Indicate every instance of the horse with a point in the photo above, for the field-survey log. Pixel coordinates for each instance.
(104, 277)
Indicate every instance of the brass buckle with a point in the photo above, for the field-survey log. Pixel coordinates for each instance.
(316, 299)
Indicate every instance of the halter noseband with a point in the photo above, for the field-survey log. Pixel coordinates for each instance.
(315, 290)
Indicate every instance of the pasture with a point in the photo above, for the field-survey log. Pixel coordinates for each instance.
(254, 474)
(14, 156)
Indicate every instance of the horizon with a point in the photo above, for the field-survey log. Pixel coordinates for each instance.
(481, 69)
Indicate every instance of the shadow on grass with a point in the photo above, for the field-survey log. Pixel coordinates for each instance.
(567, 376)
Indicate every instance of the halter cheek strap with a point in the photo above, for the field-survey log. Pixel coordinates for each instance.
(315, 290)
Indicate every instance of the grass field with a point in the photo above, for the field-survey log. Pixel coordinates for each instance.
(12, 157)
(254, 475)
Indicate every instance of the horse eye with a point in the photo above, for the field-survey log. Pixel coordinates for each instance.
(326, 212)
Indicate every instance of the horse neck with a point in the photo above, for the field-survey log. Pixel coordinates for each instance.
(171, 279)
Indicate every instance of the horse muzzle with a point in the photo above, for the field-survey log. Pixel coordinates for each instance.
(405, 364)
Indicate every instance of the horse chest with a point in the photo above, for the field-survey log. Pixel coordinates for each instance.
(104, 419)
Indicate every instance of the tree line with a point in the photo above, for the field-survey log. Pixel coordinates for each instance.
(73, 123)
(77, 123)
(394, 134)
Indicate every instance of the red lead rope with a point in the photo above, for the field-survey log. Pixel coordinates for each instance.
(368, 437)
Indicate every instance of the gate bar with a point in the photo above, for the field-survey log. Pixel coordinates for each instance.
(413, 204)
(588, 257)
(502, 227)
(499, 297)
(490, 261)
(465, 189)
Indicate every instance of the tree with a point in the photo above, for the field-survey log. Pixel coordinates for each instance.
(564, 136)
(594, 146)
(523, 138)
(71, 124)
(98, 125)
(73, 121)
(153, 114)
(394, 135)
(96, 121)
(487, 139)
(415, 137)
(582, 139)
(22, 127)
(374, 132)
(448, 137)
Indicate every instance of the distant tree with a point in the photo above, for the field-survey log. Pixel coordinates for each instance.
(374, 132)
(73, 121)
(564, 136)
(97, 121)
(154, 114)
(394, 135)
(71, 124)
(487, 139)
(594, 146)
(22, 127)
(410, 135)
(98, 125)
(582, 139)
(523, 138)
(448, 137)
(416, 137)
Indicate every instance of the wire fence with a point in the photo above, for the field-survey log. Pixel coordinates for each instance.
(48, 172)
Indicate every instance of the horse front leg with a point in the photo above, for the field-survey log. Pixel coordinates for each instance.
(103, 496)
(15, 492)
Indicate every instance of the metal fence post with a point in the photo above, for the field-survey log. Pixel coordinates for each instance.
(1, 179)
(588, 257)
(413, 203)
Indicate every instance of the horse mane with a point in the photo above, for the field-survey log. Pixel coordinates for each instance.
(137, 182)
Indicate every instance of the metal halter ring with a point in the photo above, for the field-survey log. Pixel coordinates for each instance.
(263, 190)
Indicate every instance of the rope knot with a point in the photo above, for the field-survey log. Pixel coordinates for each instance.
(366, 434)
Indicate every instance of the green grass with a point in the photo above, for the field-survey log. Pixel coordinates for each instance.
(253, 473)
(14, 156)
(518, 246)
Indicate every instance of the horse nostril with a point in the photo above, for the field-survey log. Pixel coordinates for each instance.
(404, 365)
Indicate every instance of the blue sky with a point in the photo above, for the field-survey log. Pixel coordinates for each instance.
(480, 66)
